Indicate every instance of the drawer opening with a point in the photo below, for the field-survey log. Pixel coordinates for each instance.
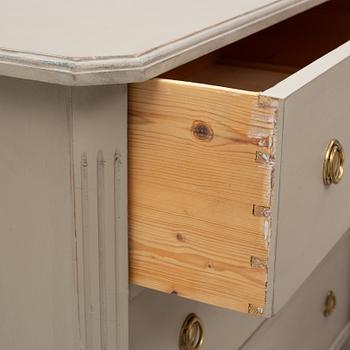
(262, 60)
(204, 163)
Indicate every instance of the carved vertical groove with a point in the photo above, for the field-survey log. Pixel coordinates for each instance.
(102, 250)
(86, 249)
(100, 217)
(117, 232)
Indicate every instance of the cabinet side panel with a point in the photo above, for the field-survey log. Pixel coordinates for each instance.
(37, 256)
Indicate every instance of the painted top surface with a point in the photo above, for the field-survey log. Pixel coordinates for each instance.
(94, 36)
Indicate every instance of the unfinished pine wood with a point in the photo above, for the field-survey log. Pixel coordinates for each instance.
(296, 42)
(192, 227)
(246, 78)
(217, 69)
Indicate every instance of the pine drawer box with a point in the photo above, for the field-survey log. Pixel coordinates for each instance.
(231, 202)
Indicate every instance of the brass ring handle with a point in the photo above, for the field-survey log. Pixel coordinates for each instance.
(333, 165)
(330, 304)
(191, 334)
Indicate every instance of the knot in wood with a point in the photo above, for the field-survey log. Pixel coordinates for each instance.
(202, 131)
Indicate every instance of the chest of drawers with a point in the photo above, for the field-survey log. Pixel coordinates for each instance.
(196, 149)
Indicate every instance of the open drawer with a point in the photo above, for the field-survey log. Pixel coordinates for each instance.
(228, 203)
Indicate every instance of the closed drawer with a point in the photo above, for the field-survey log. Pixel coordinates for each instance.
(302, 324)
(156, 318)
(228, 203)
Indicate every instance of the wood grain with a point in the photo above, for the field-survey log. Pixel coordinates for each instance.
(295, 42)
(191, 225)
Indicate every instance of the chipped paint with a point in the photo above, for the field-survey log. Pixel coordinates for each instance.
(262, 157)
(267, 233)
(260, 139)
(255, 310)
(267, 158)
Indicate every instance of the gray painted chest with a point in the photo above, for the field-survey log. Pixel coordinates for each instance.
(165, 159)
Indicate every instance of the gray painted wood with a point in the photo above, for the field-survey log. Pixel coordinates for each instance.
(156, 319)
(342, 342)
(119, 42)
(346, 345)
(301, 324)
(63, 217)
(99, 133)
(38, 301)
(311, 217)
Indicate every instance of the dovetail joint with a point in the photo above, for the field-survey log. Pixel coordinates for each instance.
(259, 210)
(256, 262)
(255, 310)
(264, 158)
(267, 102)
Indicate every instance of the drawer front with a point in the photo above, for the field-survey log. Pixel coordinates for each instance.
(302, 324)
(156, 320)
(312, 216)
(198, 185)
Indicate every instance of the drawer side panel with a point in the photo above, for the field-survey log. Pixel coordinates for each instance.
(200, 175)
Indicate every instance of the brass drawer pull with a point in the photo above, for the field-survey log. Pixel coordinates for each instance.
(333, 166)
(191, 334)
(330, 304)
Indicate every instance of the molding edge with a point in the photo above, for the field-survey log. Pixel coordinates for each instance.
(341, 338)
(80, 71)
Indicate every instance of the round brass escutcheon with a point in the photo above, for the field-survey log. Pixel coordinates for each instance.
(333, 165)
(191, 334)
(330, 304)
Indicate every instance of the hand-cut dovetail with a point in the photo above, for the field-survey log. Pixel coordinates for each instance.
(264, 141)
(265, 158)
(256, 262)
(259, 210)
(267, 102)
(255, 310)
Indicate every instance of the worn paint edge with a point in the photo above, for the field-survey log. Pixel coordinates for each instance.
(341, 338)
(278, 106)
(78, 293)
(272, 159)
(97, 70)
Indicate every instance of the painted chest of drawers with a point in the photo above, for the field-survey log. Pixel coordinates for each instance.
(201, 158)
